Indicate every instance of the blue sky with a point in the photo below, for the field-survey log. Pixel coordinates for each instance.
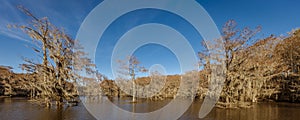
(275, 16)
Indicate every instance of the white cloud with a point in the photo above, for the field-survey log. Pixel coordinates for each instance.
(15, 35)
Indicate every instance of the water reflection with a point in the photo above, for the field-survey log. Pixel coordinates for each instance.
(108, 108)
(21, 108)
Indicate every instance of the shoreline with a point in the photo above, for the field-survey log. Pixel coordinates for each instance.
(5, 96)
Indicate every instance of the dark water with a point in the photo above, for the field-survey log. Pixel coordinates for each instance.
(22, 109)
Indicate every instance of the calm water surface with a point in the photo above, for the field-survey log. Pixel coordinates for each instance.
(22, 109)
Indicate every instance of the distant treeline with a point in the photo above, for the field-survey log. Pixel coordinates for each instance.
(265, 70)
(255, 69)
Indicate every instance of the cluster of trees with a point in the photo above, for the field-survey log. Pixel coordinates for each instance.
(55, 77)
(5, 79)
(287, 65)
(129, 68)
(256, 69)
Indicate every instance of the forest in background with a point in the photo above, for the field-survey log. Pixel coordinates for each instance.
(265, 69)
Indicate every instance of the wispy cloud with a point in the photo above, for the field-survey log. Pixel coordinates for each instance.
(67, 14)
(40, 9)
(15, 35)
(9, 12)
(13, 17)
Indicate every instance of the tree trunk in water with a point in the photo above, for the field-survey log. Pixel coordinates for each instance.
(133, 91)
(227, 99)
